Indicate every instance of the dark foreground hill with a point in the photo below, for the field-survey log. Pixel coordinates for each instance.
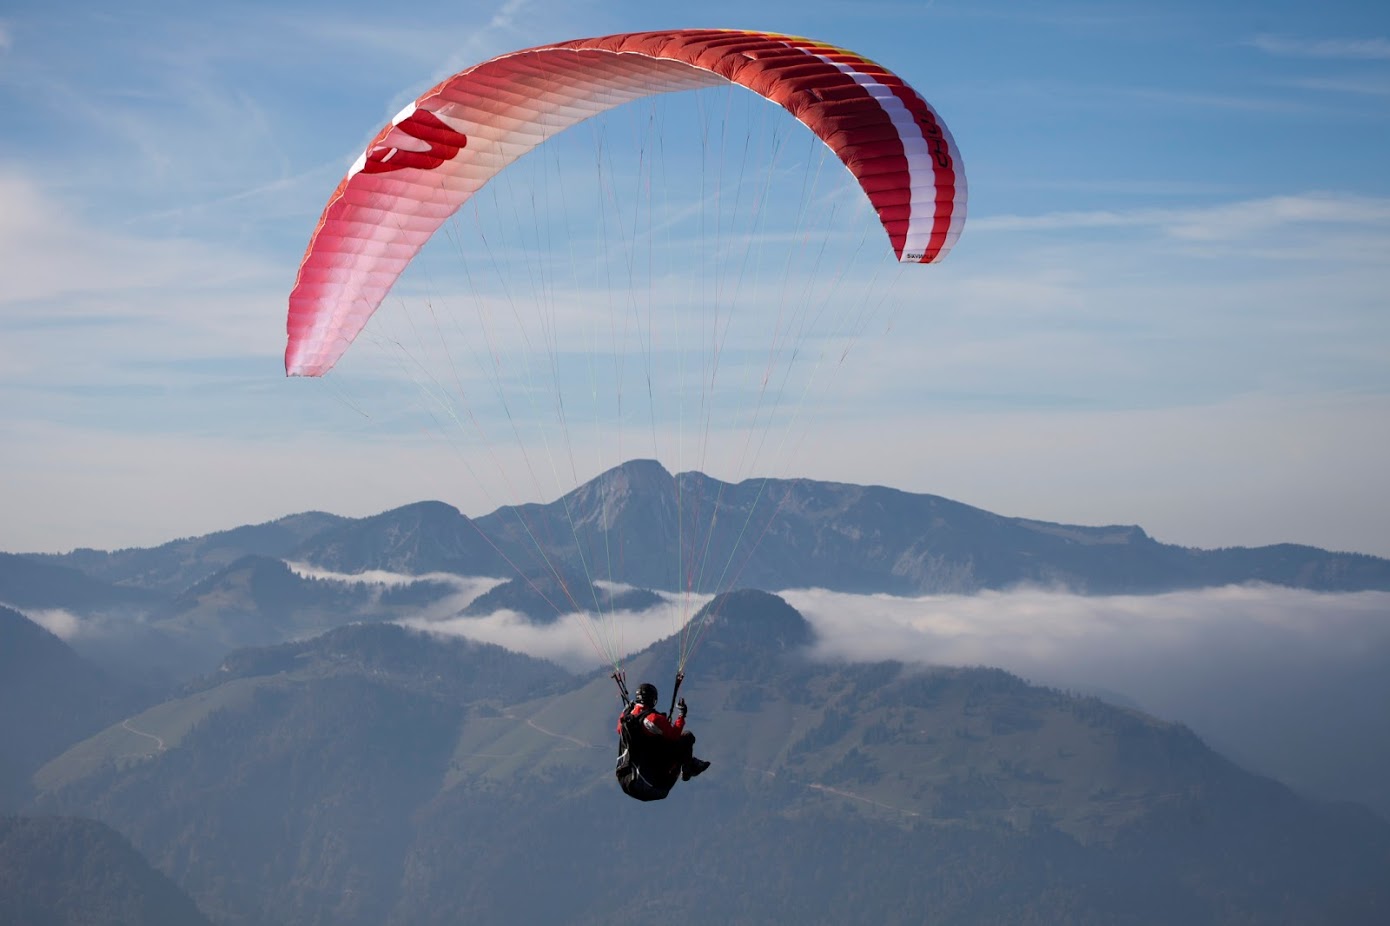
(374, 775)
(57, 871)
(49, 699)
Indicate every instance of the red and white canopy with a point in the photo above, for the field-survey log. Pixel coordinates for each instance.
(443, 147)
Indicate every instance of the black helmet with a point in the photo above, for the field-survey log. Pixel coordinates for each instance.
(647, 695)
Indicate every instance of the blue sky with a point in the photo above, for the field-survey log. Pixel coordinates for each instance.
(1170, 305)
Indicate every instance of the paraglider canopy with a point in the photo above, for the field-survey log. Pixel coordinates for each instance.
(447, 144)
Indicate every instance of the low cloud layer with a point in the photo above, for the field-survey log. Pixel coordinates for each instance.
(469, 587)
(1116, 639)
(575, 641)
(1288, 682)
(1200, 657)
(578, 642)
(62, 624)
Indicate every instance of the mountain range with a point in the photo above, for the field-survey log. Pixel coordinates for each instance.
(636, 524)
(246, 710)
(173, 611)
(376, 774)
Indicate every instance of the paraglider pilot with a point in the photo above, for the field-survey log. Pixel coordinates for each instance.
(652, 749)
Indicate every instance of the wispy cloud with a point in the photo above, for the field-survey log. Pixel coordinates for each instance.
(6, 41)
(406, 42)
(1365, 86)
(1280, 105)
(411, 42)
(1243, 219)
(159, 322)
(1101, 98)
(1084, 18)
(1225, 222)
(505, 15)
(1371, 49)
(52, 251)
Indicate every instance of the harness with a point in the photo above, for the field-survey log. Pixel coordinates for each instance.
(638, 769)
